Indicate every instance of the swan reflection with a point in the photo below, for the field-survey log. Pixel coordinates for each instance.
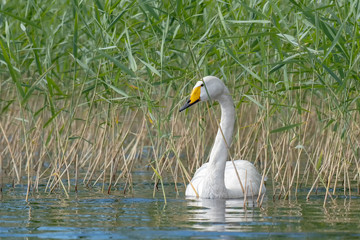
(221, 214)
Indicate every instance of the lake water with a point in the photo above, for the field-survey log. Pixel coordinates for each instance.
(92, 214)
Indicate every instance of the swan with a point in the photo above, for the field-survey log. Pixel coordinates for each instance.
(218, 178)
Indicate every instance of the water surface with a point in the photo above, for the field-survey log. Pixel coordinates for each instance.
(92, 214)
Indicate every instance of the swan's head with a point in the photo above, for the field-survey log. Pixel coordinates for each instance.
(209, 88)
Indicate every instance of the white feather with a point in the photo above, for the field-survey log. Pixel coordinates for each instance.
(218, 178)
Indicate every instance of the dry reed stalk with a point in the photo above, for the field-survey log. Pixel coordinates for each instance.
(76, 173)
(66, 165)
(277, 153)
(264, 172)
(327, 193)
(92, 166)
(1, 176)
(126, 169)
(11, 154)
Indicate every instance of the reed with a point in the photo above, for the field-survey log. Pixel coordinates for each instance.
(91, 90)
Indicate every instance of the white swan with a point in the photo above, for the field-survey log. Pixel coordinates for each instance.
(218, 178)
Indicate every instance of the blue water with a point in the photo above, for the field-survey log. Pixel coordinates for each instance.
(91, 214)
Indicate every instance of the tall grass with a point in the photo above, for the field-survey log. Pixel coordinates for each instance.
(90, 90)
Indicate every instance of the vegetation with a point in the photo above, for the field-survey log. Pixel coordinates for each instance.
(90, 90)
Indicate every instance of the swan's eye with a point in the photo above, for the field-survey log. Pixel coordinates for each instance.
(202, 85)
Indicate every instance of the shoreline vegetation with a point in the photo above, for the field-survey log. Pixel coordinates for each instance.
(90, 91)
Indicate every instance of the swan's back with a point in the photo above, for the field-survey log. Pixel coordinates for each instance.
(249, 176)
(197, 181)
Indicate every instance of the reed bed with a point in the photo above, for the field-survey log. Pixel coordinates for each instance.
(90, 91)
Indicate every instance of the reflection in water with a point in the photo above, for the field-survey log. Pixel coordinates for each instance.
(91, 214)
(219, 214)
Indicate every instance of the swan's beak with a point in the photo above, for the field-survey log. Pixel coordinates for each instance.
(188, 104)
(194, 98)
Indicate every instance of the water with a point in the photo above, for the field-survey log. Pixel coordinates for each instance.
(92, 214)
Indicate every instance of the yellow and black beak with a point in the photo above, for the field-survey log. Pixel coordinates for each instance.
(194, 98)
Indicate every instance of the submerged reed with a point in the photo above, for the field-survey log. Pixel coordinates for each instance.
(91, 90)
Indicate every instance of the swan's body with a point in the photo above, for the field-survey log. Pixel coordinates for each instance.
(218, 178)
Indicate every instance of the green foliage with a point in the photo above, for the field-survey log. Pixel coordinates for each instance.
(267, 45)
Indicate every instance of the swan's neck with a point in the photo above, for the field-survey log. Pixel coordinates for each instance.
(220, 151)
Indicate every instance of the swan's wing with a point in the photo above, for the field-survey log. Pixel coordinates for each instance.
(196, 181)
(249, 176)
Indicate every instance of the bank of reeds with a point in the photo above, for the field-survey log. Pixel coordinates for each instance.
(90, 91)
